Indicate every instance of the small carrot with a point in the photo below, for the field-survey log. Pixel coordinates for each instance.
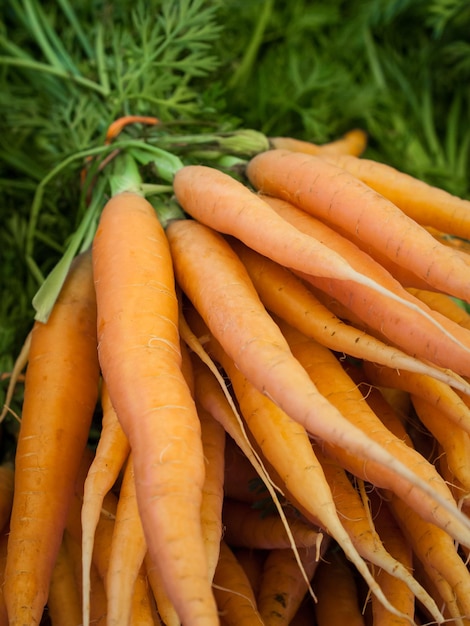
(64, 602)
(426, 204)
(444, 304)
(139, 352)
(284, 294)
(213, 443)
(282, 589)
(235, 597)
(337, 196)
(400, 595)
(337, 592)
(128, 549)
(353, 142)
(61, 390)
(111, 453)
(239, 321)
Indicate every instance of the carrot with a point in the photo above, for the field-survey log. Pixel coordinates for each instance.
(400, 595)
(252, 561)
(140, 358)
(426, 204)
(128, 548)
(444, 304)
(284, 294)
(437, 552)
(111, 453)
(165, 608)
(235, 597)
(337, 593)
(433, 391)
(398, 325)
(353, 142)
(61, 390)
(282, 589)
(286, 445)
(334, 383)
(64, 602)
(238, 320)
(213, 443)
(213, 198)
(241, 481)
(3, 558)
(368, 539)
(245, 526)
(334, 194)
(454, 440)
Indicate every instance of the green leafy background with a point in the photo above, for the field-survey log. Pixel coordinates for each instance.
(399, 69)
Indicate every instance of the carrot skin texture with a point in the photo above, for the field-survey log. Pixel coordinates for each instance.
(139, 352)
(61, 391)
(340, 198)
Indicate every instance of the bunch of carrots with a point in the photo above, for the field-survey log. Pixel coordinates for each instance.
(282, 370)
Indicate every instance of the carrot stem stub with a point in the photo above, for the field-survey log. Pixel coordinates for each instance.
(140, 358)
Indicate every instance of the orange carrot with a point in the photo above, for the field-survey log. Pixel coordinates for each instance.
(284, 294)
(426, 204)
(140, 356)
(444, 304)
(7, 482)
(400, 595)
(238, 320)
(337, 196)
(165, 608)
(337, 593)
(433, 391)
(454, 440)
(61, 391)
(437, 552)
(252, 561)
(64, 602)
(235, 597)
(353, 142)
(111, 453)
(128, 548)
(3, 558)
(213, 443)
(282, 589)
(334, 383)
(245, 526)
(397, 324)
(213, 198)
(286, 446)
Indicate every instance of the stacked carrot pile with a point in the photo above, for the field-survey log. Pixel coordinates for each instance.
(283, 373)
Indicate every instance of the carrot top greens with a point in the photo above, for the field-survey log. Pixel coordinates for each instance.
(399, 70)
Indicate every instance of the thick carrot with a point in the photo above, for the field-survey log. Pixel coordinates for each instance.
(426, 204)
(353, 142)
(248, 527)
(214, 198)
(337, 592)
(128, 549)
(235, 597)
(286, 295)
(140, 357)
(61, 390)
(111, 453)
(220, 289)
(398, 323)
(282, 589)
(334, 383)
(337, 196)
